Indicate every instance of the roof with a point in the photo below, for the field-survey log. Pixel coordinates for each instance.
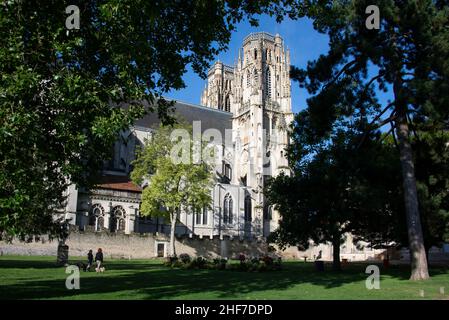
(210, 118)
(122, 183)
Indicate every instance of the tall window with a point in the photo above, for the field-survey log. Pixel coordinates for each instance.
(227, 171)
(117, 220)
(248, 209)
(96, 214)
(255, 54)
(227, 209)
(268, 83)
(205, 215)
(248, 78)
(100, 223)
(256, 77)
(227, 104)
(197, 216)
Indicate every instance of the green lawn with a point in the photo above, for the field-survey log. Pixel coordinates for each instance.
(38, 278)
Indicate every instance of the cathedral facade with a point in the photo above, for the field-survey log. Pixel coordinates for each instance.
(249, 105)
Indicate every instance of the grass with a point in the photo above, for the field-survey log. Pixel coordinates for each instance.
(38, 278)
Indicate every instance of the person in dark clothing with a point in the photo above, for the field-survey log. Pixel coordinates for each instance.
(90, 260)
(99, 260)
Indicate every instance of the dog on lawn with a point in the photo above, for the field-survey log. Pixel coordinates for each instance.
(82, 266)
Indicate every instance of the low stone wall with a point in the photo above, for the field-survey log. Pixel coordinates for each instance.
(135, 246)
(145, 246)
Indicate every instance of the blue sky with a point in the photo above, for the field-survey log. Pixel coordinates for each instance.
(299, 36)
(304, 42)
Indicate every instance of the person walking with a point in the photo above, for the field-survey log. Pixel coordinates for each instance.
(90, 260)
(99, 260)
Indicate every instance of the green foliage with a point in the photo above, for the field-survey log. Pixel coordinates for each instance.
(178, 177)
(254, 264)
(172, 185)
(336, 189)
(185, 258)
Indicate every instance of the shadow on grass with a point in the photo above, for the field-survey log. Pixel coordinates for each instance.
(27, 264)
(153, 281)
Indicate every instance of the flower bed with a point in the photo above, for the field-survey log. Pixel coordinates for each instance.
(249, 264)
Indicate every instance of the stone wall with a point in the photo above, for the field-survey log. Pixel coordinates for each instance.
(135, 246)
(145, 246)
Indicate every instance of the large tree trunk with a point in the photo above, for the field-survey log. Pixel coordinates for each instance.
(173, 217)
(418, 258)
(336, 264)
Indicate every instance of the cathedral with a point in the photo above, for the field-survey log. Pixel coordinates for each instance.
(249, 104)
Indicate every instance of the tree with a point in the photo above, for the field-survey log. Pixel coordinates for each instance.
(408, 56)
(60, 89)
(179, 174)
(335, 188)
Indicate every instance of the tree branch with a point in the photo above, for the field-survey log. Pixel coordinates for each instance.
(370, 125)
(344, 69)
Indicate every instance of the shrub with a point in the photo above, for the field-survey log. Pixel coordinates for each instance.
(170, 261)
(253, 266)
(254, 260)
(267, 260)
(199, 262)
(262, 264)
(185, 258)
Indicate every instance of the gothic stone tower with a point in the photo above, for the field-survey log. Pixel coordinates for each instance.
(257, 91)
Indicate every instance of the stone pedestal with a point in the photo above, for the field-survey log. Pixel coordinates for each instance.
(62, 255)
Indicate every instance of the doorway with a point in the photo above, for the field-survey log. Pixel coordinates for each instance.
(160, 250)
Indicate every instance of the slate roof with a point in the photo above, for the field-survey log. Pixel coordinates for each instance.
(209, 117)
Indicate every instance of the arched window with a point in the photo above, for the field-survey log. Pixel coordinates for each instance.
(268, 83)
(96, 212)
(227, 209)
(248, 78)
(255, 54)
(248, 209)
(117, 219)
